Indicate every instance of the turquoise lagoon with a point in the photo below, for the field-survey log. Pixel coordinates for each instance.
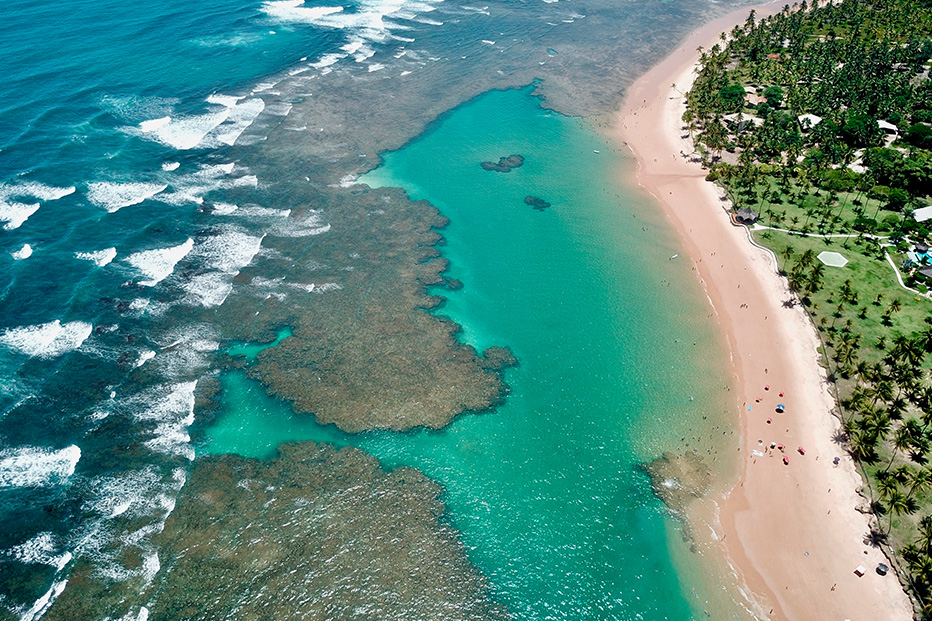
(619, 362)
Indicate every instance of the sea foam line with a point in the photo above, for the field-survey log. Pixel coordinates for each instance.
(37, 467)
(47, 339)
(158, 264)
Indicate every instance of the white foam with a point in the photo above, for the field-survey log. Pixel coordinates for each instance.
(228, 252)
(295, 11)
(143, 358)
(192, 187)
(256, 211)
(48, 339)
(186, 132)
(279, 108)
(240, 117)
(174, 413)
(376, 67)
(223, 209)
(114, 196)
(225, 254)
(37, 467)
(150, 566)
(116, 496)
(39, 549)
(38, 190)
(208, 290)
(170, 166)
(14, 214)
(223, 100)
(23, 253)
(158, 264)
(98, 257)
(309, 226)
(42, 604)
(142, 615)
(326, 60)
(154, 124)
(371, 21)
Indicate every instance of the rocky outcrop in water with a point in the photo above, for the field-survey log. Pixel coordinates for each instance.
(505, 164)
(679, 478)
(537, 203)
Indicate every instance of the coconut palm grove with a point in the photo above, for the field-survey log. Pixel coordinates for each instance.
(817, 123)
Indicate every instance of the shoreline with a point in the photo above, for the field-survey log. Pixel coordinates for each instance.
(791, 532)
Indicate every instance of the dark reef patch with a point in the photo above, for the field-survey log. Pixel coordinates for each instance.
(679, 478)
(364, 353)
(505, 164)
(316, 533)
(537, 203)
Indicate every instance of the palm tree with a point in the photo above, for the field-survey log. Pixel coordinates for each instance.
(899, 504)
(919, 480)
(862, 446)
(924, 542)
(787, 253)
(901, 441)
(887, 485)
(924, 339)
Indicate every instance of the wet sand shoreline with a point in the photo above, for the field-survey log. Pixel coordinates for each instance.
(791, 532)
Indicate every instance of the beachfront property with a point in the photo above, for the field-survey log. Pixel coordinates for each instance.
(839, 170)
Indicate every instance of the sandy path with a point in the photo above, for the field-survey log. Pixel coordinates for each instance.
(791, 531)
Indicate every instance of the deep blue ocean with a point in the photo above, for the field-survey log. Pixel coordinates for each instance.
(127, 215)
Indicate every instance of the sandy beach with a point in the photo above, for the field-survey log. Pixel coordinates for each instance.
(791, 531)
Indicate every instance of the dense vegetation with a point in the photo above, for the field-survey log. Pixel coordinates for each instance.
(819, 118)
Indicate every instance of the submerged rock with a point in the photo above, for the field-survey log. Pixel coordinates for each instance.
(537, 203)
(679, 478)
(505, 164)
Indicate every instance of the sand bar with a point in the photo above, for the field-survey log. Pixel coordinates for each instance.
(791, 532)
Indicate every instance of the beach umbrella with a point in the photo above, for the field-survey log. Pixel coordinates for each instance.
(780, 408)
(786, 460)
(801, 450)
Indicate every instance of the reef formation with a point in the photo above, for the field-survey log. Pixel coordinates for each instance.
(505, 164)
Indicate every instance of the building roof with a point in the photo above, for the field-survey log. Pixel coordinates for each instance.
(925, 271)
(887, 127)
(812, 119)
(923, 213)
(746, 215)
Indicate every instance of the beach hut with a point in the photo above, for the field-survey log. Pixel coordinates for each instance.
(860, 570)
(746, 216)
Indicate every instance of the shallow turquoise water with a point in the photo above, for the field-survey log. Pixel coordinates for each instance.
(611, 338)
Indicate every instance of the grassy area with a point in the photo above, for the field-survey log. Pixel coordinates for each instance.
(862, 312)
